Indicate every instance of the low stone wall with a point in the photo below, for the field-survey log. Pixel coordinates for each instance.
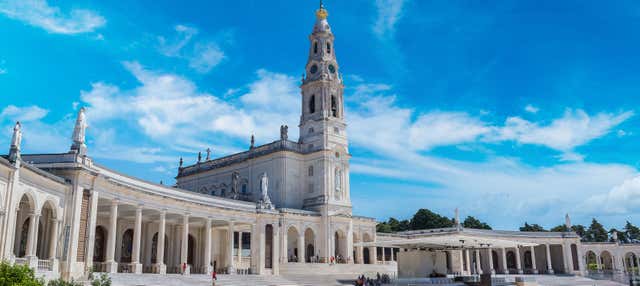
(337, 269)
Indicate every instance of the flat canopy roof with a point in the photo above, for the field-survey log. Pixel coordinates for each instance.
(448, 241)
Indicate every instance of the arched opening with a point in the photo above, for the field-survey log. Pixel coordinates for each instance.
(328, 47)
(268, 246)
(26, 207)
(528, 262)
(99, 246)
(340, 246)
(154, 249)
(46, 231)
(591, 261)
(367, 255)
(315, 47)
(606, 260)
(312, 104)
(127, 246)
(310, 242)
(630, 262)
(334, 106)
(511, 260)
(191, 247)
(292, 244)
(574, 257)
(355, 255)
(494, 258)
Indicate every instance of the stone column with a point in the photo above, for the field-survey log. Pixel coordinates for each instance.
(468, 259)
(137, 235)
(53, 243)
(230, 268)
(92, 231)
(301, 250)
(461, 259)
(567, 260)
(184, 254)
(207, 247)
(549, 265)
(239, 247)
(349, 240)
(478, 262)
(384, 257)
(490, 253)
(112, 265)
(161, 268)
(518, 261)
(393, 255)
(32, 242)
(32, 237)
(276, 250)
(505, 269)
(534, 268)
(598, 262)
(373, 254)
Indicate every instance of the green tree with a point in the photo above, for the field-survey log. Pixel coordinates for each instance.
(632, 232)
(20, 275)
(383, 227)
(559, 228)
(472, 222)
(579, 230)
(426, 219)
(532, 227)
(596, 232)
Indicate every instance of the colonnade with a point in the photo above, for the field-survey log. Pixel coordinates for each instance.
(518, 260)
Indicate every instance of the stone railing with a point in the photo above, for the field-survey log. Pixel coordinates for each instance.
(45, 265)
(124, 268)
(243, 264)
(21, 261)
(99, 267)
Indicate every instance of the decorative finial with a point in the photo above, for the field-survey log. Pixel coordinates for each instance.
(78, 137)
(199, 157)
(456, 219)
(208, 154)
(253, 142)
(16, 139)
(284, 132)
(321, 13)
(567, 222)
(614, 236)
(181, 162)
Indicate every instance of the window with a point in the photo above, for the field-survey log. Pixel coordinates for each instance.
(315, 47)
(244, 188)
(310, 130)
(336, 130)
(334, 106)
(223, 192)
(313, 69)
(310, 171)
(312, 104)
(332, 69)
(311, 188)
(328, 48)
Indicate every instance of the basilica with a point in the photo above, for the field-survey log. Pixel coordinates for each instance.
(282, 207)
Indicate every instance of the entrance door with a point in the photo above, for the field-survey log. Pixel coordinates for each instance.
(268, 246)
(365, 256)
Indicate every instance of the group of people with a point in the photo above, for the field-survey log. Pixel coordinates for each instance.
(379, 280)
(336, 259)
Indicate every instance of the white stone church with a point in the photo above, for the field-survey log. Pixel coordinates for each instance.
(283, 207)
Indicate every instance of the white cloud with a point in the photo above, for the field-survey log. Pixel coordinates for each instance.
(38, 13)
(574, 128)
(388, 14)
(531, 109)
(170, 111)
(202, 56)
(23, 114)
(623, 199)
(445, 128)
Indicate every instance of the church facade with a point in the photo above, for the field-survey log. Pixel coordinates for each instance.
(282, 207)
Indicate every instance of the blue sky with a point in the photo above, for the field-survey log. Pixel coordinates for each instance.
(511, 111)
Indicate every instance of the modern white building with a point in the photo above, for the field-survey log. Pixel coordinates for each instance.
(276, 208)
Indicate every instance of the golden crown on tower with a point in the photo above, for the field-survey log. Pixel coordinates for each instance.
(321, 13)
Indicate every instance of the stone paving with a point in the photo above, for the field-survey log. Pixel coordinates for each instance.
(304, 280)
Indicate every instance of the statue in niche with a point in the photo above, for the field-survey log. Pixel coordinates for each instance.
(284, 132)
(235, 182)
(265, 201)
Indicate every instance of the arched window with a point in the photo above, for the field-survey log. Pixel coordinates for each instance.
(315, 47)
(312, 104)
(310, 171)
(328, 47)
(334, 106)
(310, 130)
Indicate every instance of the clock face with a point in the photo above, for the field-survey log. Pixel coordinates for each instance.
(332, 69)
(313, 69)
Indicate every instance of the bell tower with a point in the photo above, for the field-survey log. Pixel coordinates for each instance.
(322, 124)
(323, 132)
